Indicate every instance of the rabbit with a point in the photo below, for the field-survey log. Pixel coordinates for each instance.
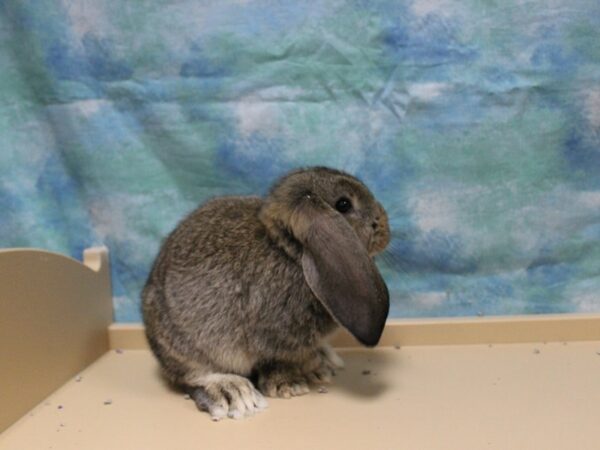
(245, 290)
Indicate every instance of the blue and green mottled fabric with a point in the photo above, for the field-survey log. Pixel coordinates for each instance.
(476, 123)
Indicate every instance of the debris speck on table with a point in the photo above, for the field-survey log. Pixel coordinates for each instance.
(187, 397)
(59, 407)
(536, 351)
(397, 347)
(366, 372)
(108, 401)
(78, 378)
(322, 390)
(118, 350)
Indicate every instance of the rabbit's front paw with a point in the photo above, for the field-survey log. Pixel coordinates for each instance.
(322, 375)
(282, 381)
(330, 358)
(323, 366)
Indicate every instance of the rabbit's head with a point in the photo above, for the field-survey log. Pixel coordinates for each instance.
(332, 224)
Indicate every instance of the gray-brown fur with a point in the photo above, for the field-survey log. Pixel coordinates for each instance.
(228, 295)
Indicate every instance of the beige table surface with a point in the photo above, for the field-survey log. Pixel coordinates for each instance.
(509, 397)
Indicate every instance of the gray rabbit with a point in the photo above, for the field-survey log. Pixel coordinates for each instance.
(247, 288)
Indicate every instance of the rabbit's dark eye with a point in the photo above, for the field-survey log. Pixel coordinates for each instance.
(343, 205)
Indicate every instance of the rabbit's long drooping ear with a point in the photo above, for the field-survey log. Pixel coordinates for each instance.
(339, 271)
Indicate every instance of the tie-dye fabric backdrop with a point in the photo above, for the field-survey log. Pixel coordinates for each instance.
(477, 125)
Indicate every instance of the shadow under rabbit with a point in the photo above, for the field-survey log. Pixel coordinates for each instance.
(364, 374)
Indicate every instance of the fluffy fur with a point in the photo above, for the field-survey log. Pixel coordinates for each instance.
(248, 289)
